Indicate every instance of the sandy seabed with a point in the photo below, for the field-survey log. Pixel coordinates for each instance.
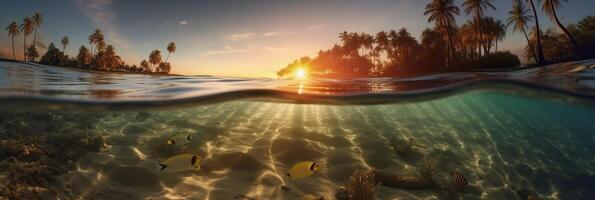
(501, 144)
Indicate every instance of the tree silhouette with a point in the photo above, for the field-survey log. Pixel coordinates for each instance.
(443, 12)
(155, 59)
(26, 29)
(540, 55)
(37, 21)
(550, 6)
(171, 48)
(519, 18)
(478, 7)
(13, 31)
(64, 43)
(84, 57)
(32, 53)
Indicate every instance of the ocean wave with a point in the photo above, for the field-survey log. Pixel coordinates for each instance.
(26, 86)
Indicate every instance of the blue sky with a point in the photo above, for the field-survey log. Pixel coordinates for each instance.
(248, 38)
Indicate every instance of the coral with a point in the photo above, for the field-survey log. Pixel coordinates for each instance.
(361, 185)
(35, 147)
(427, 168)
(402, 148)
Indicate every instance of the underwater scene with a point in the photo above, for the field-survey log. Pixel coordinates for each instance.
(67, 134)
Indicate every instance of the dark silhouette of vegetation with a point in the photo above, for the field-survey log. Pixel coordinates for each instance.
(13, 31)
(477, 7)
(519, 17)
(448, 46)
(26, 29)
(442, 13)
(32, 53)
(64, 43)
(549, 7)
(99, 56)
(171, 48)
(37, 21)
(557, 47)
(540, 56)
(103, 57)
(53, 56)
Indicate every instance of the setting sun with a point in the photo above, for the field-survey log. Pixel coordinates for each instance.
(301, 73)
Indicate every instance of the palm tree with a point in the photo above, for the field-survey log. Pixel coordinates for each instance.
(550, 6)
(155, 57)
(84, 57)
(538, 32)
(26, 29)
(499, 33)
(171, 48)
(145, 66)
(96, 38)
(32, 53)
(64, 44)
(108, 60)
(368, 44)
(37, 21)
(519, 17)
(13, 31)
(478, 7)
(443, 12)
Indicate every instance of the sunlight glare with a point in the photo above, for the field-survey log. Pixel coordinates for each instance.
(300, 73)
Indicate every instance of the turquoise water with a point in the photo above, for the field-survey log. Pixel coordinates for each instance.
(508, 141)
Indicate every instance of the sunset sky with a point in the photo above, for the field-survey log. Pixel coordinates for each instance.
(242, 38)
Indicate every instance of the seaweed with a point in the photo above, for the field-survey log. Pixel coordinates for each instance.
(361, 186)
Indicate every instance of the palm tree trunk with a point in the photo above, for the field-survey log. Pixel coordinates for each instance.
(539, 47)
(530, 45)
(567, 33)
(25, 48)
(167, 57)
(451, 51)
(14, 56)
(480, 33)
(35, 37)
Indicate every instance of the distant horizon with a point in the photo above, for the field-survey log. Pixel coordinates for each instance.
(236, 38)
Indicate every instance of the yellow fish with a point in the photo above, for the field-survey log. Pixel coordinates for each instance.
(302, 170)
(182, 162)
(180, 139)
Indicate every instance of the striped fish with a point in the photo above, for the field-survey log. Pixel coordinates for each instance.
(458, 183)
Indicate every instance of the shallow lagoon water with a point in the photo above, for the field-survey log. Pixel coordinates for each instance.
(502, 139)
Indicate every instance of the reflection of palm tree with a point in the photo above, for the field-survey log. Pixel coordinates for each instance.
(520, 18)
(478, 7)
(26, 29)
(13, 31)
(64, 44)
(550, 6)
(37, 21)
(443, 12)
(538, 32)
(171, 48)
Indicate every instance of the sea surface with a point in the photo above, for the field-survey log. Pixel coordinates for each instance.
(514, 134)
